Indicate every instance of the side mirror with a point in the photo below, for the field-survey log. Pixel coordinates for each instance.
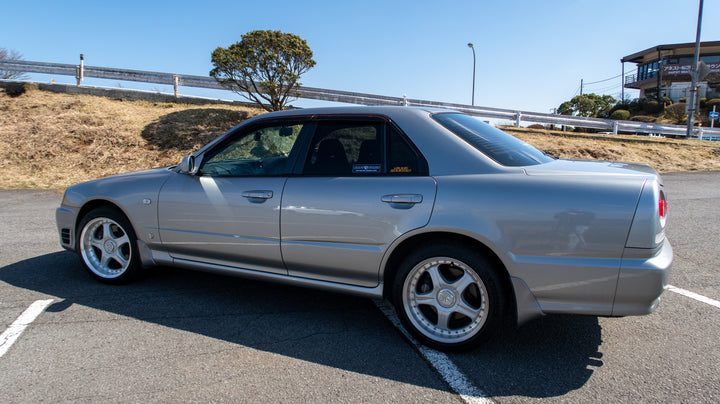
(188, 165)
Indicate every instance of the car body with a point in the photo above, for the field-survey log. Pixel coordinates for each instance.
(457, 223)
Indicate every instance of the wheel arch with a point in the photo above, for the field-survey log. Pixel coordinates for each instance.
(406, 246)
(91, 205)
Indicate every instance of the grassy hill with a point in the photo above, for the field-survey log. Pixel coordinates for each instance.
(50, 140)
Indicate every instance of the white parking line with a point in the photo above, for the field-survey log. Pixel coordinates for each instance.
(448, 370)
(694, 295)
(8, 338)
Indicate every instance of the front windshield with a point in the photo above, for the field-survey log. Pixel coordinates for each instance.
(505, 149)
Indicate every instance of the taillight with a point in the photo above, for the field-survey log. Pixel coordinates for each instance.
(662, 207)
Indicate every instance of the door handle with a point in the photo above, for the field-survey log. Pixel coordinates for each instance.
(402, 198)
(257, 194)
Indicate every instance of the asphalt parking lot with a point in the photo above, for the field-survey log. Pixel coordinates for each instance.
(188, 336)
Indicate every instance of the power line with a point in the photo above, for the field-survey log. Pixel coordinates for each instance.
(608, 79)
(577, 91)
(605, 89)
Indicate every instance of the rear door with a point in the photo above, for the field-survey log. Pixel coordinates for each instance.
(362, 185)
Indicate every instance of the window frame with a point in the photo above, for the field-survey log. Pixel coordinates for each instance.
(301, 149)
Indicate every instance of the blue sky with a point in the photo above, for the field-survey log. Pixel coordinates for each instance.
(531, 55)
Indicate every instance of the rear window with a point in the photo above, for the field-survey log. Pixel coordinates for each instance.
(505, 149)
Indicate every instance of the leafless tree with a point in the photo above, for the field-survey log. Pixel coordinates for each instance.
(10, 55)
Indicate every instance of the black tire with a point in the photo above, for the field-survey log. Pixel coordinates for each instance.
(107, 245)
(449, 297)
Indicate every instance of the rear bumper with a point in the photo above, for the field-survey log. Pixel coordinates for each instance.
(641, 281)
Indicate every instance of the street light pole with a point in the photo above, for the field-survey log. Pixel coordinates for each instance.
(470, 45)
(693, 85)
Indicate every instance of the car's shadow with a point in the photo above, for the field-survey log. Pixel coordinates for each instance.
(545, 358)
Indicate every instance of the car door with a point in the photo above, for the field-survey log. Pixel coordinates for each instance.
(362, 186)
(228, 213)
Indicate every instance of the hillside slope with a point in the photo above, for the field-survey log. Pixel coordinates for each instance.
(50, 140)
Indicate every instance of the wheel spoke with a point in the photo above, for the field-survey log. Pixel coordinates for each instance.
(426, 298)
(105, 259)
(462, 283)
(97, 243)
(107, 231)
(122, 240)
(443, 318)
(436, 277)
(466, 310)
(117, 256)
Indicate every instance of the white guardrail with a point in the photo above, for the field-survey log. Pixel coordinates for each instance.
(177, 80)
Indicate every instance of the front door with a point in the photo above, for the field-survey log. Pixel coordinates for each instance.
(229, 213)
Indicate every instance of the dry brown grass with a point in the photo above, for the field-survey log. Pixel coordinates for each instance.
(50, 140)
(665, 155)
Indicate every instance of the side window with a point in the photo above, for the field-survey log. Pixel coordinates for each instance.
(402, 157)
(341, 149)
(262, 151)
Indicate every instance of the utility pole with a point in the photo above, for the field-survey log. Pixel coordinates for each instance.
(622, 81)
(470, 45)
(693, 85)
(581, 86)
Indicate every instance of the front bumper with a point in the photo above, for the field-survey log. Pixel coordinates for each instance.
(642, 281)
(65, 220)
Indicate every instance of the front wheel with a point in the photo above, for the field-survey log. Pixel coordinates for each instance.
(107, 246)
(449, 297)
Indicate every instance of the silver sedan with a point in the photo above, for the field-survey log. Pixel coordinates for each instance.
(460, 225)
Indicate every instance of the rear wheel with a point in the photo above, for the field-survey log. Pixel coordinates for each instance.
(450, 298)
(108, 246)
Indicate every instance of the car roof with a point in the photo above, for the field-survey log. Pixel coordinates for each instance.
(388, 110)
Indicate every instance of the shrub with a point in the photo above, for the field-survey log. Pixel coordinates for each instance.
(643, 118)
(666, 101)
(18, 89)
(620, 115)
(676, 113)
(536, 126)
(683, 100)
(653, 107)
(703, 102)
(715, 102)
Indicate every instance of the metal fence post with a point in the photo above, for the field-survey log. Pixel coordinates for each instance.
(80, 70)
(518, 116)
(615, 127)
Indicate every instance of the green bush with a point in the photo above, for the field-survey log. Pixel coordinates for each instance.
(715, 102)
(653, 107)
(643, 118)
(620, 115)
(683, 100)
(676, 113)
(666, 101)
(703, 102)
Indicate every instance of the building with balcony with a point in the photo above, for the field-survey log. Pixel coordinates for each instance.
(665, 70)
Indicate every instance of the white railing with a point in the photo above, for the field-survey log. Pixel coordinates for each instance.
(185, 80)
